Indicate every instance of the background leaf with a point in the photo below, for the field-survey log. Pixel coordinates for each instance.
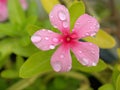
(49, 4)
(36, 64)
(107, 87)
(76, 10)
(102, 39)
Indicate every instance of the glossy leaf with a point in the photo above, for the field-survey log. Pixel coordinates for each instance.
(76, 10)
(36, 64)
(49, 4)
(9, 73)
(102, 39)
(118, 83)
(100, 66)
(107, 87)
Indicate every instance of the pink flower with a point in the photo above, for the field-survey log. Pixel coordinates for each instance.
(4, 10)
(24, 4)
(86, 53)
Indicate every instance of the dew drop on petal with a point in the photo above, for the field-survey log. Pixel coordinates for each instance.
(65, 24)
(49, 31)
(80, 51)
(46, 38)
(85, 61)
(57, 67)
(69, 67)
(94, 64)
(62, 15)
(35, 38)
(55, 40)
(93, 34)
(51, 46)
(62, 56)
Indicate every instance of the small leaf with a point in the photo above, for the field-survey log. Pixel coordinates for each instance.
(118, 83)
(49, 4)
(36, 64)
(31, 29)
(100, 66)
(107, 87)
(76, 10)
(102, 39)
(9, 73)
(19, 62)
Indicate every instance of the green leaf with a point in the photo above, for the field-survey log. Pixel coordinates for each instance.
(48, 6)
(16, 13)
(118, 83)
(115, 73)
(107, 87)
(24, 50)
(118, 51)
(36, 64)
(76, 10)
(9, 73)
(7, 29)
(31, 29)
(19, 62)
(102, 39)
(77, 66)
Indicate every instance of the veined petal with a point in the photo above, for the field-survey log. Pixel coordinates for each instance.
(61, 59)
(86, 53)
(45, 39)
(86, 26)
(59, 18)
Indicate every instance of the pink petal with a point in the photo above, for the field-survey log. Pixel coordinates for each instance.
(86, 26)
(3, 11)
(24, 4)
(45, 39)
(86, 53)
(61, 59)
(59, 18)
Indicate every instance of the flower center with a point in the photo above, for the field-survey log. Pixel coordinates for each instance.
(68, 38)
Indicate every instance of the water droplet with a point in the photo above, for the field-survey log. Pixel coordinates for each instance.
(89, 21)
(62, 56)
(65, 24)
(80, 51)
(51, 16)
(49, 31)
(46, 38)
(55, 40)
(87, 34)
(52, 46)
(85, 61)
(35, 38)
(69, 67)
(62, 15)
(57, 67)
(93, 34)
(94, 64)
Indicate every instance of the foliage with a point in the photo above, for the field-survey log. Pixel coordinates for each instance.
(28, 68)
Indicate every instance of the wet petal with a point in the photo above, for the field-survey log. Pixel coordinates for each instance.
(86, 53)
(3, 10)
(61, 59)
(86, 26)
(59, 18)
(45, 39)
